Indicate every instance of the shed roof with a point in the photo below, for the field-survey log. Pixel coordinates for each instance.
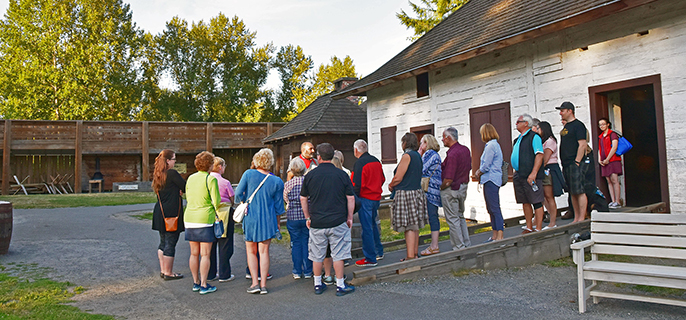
(325, 115)
(482, 26)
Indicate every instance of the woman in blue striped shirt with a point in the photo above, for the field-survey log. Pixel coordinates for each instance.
(432, 169)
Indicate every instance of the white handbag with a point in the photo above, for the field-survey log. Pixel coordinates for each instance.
(242, 208)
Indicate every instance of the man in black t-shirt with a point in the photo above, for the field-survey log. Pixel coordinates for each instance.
(573, 145)
(329, 215)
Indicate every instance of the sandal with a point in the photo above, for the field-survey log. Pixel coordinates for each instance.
(408, 258)
(175, 276)
(428, 251)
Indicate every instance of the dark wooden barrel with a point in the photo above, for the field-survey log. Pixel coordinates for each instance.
(5, 226)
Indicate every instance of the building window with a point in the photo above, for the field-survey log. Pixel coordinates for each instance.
(388, 151)
(499, 116)
(422, 85)
(422, 130)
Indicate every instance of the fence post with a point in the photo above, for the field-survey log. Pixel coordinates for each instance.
(78, 155)
(145, 152)
(209, 137)
(6, 174)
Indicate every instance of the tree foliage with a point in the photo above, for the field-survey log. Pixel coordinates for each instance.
(69, 59)
(293, 67)
(322, 82)
(428, 14)
(87, 60)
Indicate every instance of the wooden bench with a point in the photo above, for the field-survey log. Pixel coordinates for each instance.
(651, 235)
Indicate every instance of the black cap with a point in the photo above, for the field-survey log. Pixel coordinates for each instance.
(566, 105)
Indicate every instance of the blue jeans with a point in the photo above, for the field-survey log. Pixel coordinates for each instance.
(371, 237)
(433, 216)
(492, 197)
(300, 236)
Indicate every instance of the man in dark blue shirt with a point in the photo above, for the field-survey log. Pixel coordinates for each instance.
(329, 215)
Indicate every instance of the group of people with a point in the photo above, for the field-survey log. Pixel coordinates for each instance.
(321, 195)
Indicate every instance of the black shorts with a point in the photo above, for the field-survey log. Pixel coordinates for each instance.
(574, 177)
(524, 192)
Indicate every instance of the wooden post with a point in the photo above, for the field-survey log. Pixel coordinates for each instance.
(145, 152)
(6, 174)
(78, 156)
(208, 135)
(270, 129)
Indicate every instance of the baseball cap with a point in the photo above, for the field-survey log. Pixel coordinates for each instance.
(566, 105)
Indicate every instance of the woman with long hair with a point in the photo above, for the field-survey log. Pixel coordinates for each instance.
(610, 162)
(203, 201)
(553, 182)
(261, 223)
(490, 175)
(428, 149)
(168, 185)
(408, 210)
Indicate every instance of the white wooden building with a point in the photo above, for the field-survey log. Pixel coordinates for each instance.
(493, 60)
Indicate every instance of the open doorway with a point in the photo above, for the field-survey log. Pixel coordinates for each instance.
(634, 108)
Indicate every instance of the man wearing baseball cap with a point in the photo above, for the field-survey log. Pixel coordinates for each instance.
(572, 150)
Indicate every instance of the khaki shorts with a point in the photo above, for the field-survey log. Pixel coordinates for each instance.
(337, 238)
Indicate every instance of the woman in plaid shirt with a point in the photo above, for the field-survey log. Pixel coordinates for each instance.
(296, 223)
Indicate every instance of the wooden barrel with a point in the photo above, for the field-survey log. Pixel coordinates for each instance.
(5, 226)
(356, 231)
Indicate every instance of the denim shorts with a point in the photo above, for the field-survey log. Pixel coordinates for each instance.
(338, 238)
(204, 234)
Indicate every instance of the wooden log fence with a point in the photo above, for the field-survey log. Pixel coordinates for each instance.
(144, 139)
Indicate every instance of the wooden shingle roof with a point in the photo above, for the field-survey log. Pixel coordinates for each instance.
(483, 26)
(325, 115)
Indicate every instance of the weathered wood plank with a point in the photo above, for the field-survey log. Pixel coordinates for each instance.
(636, 251)
(639, 240)
(641, 218)
(633, 297)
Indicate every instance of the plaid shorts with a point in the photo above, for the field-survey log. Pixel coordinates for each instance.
(574, 176)
(408, 209)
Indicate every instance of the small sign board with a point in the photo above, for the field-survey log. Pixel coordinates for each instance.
(180, 167)
(128, 187)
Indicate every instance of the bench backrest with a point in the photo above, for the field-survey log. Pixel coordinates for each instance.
(639, 234)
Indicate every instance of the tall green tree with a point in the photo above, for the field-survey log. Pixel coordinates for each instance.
(217, 69)
(428, 14)
(322, 82)
(69, 59)
(293, 67)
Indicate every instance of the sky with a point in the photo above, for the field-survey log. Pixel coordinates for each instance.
(366, 30)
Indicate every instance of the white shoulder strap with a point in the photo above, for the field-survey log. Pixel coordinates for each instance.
(258, 188)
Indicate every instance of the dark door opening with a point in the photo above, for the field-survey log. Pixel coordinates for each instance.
(635, 109)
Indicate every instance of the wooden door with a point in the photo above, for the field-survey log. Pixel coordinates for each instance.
(499, 116)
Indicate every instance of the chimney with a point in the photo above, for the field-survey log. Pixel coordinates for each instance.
(341, 83)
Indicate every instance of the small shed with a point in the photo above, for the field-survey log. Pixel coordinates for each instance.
(338, 122)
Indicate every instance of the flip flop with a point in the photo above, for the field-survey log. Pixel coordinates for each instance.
(428, 251)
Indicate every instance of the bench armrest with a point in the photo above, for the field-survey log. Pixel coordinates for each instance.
(582, 244)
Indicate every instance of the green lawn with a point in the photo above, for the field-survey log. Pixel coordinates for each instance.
(46, 201)
(388, 234)
(26, 294)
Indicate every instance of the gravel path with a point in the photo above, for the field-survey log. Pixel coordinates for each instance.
(114, 256)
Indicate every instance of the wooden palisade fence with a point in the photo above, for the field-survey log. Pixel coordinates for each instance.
(126, 150)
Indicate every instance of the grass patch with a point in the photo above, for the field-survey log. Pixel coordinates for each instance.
(466, 272)
(615, 258)
(480, 230)
(388, 234)
(26, 294)
(661, 291)
(47, 201)
(562, 262)
(145, 216)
